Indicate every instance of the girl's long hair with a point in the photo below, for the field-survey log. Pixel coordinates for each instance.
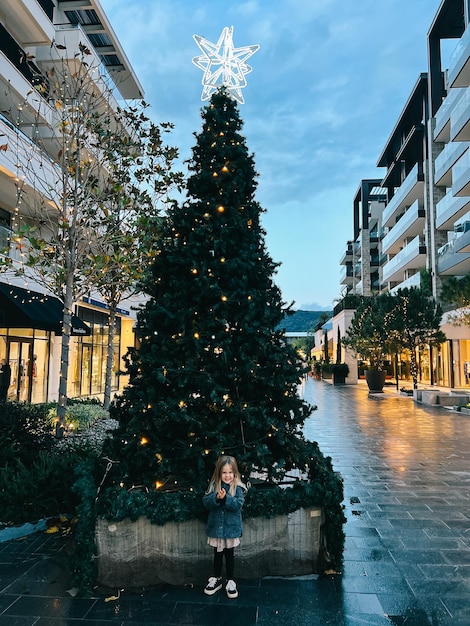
(215, 482)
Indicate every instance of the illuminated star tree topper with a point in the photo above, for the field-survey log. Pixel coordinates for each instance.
(223, 64)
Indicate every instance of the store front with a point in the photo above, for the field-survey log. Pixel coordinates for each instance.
(89, 354)
(30, 323)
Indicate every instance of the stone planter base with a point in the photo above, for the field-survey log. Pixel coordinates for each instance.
(137, 554)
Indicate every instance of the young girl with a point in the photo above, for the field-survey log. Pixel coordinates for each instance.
(224, 500)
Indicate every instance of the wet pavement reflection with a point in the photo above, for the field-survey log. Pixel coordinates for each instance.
(406, 471)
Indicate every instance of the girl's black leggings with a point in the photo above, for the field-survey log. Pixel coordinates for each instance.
(229, 562)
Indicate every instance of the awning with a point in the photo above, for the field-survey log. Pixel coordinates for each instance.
(23, 308)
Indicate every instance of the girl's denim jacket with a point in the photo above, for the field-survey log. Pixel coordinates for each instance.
(225, 516)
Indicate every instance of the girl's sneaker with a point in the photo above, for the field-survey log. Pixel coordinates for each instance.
(231, 589)
(213, 585)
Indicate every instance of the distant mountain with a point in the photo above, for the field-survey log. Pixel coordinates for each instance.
(302, 321)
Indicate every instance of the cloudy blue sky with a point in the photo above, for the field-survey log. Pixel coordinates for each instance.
(327, 86)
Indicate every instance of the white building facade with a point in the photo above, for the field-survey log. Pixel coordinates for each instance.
(30, 317)
(424, 221)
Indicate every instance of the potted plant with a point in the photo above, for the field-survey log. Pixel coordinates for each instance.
(317, 369)
(326, 369)
(340, 372)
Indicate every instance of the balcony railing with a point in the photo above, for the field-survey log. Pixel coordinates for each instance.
(461, 168)
(446, 160)
(444, 113)
(26, 149)
(449, 209)
(460, 116)
(412, 281)
(410, 257)
(407, 193)
(411, 219)
(17, 56)
(455, 62)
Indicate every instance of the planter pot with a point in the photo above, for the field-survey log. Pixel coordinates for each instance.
(339, 379)
(375, 380)
(138, 554)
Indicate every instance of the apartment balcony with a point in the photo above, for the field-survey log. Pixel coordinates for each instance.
(351, 253)
(446, 160)
(458, 74)
(70, 38)
(461, 176)
(21, 163)
(347, 257)
(412, 281)
(409, 191)
(442, 128)
(460, 118)
(450, 209)
(452, 263)
(410, 224)
(17, 79)
(31, 22)
(412, 256)
(346, 275)
(462, 241)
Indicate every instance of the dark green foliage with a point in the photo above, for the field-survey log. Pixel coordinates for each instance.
(303, 321)
(340, 369)
(84, 562)
(389, 323)
(456, 293)
(323, 488)
(24, 431)
(370, 333)
(417, 323)
(212, 374)
(39, 489)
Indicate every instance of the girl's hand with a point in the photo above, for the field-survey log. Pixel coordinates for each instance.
(221, 494)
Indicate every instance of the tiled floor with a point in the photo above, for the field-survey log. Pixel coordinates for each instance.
(406, 470)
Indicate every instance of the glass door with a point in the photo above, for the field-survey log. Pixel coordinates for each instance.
(20, 355)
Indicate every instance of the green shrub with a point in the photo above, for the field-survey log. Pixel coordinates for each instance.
(40, 489)
(24, 431)
(79, 416)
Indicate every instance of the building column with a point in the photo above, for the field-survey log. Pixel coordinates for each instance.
(432, 194)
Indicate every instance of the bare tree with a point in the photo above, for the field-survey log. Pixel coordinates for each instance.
(140, 179)
(77, 213)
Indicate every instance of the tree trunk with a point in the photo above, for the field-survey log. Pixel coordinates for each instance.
(64, 358)
(110, 357)
(414, 368)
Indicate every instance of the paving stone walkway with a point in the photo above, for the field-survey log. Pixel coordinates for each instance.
(406, 470)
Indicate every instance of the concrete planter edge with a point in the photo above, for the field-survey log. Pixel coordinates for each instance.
(135, 554)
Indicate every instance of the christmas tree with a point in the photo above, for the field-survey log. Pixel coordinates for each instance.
(212, 374)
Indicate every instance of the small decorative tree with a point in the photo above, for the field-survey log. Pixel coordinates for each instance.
(388, 323)
(370, 331)
(417, 321)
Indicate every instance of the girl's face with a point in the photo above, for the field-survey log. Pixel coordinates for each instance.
(226, 474)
